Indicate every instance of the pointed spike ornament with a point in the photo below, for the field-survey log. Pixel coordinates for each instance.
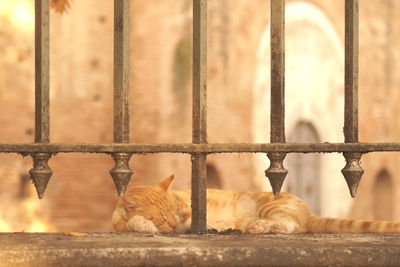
(276, 172)
(352, 172)
(40, 173)
(121, 173)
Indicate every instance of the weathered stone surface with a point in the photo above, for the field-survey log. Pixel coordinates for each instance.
(81, 100)
(130, 249)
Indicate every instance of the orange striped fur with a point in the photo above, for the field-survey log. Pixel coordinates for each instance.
(154, 209)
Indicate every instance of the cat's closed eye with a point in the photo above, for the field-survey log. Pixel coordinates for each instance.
(131, 205)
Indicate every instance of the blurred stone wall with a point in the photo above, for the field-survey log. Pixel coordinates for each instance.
(81, 194)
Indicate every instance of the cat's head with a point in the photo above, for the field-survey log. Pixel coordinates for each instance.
(153, 203)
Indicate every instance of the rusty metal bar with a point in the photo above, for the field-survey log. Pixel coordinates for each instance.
(351, 72)
(199, 128)
(352, 171)
(278, 71)
(199, 193)
(121, 173)
(276, 172)
(41, 173)
(121, 70)
(42, 73)
(190, 148)
(199, 71)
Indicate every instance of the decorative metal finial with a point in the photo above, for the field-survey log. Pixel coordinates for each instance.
(121, 173)
(352, 172)
(276, 172)
(40, 173)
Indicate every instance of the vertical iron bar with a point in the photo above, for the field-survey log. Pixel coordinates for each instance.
(351, 72)
(199, 169)
(121, 70)
(121, 173)
(352, 171)
(278, 71)
(42, 61)
(276, 173)
(41, 173)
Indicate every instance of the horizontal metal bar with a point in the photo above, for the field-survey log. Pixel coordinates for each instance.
(200, 148)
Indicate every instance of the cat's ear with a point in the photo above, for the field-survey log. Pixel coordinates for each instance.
(166, 184)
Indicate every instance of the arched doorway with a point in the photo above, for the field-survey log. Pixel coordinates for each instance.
(304, 176)
(313, 93)
(383, 196)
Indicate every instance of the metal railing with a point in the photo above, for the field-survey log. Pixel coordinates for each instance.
(121, 150)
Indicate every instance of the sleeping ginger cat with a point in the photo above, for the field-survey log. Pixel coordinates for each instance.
(153, 209)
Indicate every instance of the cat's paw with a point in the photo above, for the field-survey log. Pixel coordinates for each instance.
(116, 217)
(140, 224)
(279, 228)
(259, 227)
(265, 226)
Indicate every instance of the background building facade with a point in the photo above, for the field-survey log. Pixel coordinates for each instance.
(81, 193)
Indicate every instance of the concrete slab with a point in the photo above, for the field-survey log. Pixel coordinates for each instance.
(132, 249)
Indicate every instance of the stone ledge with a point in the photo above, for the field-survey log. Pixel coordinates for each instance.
(131, 249)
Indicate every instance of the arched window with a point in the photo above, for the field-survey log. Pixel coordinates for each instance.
(383, 196)
(213, 178)
(303, 178)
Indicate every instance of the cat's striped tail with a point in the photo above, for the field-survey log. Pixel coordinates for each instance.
(332, 225)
